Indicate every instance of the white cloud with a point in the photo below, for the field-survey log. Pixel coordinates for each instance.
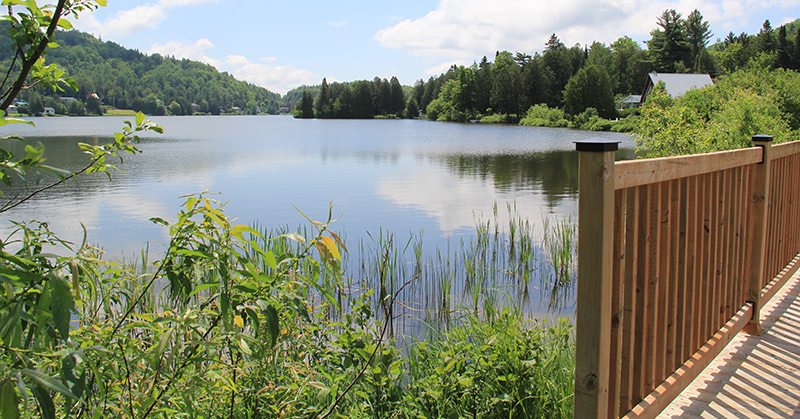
(130, 21)
(195, 51)
(276, 78)
(338, 23)
(465, 29)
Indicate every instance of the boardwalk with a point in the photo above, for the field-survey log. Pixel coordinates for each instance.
(754, 376)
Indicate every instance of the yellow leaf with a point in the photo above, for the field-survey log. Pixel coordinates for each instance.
(330, 244)
(238, 320)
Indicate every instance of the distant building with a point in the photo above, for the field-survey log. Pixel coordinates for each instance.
(48, 111)
(283, 109)
(67, 99)
(12, 109)
(630, 102)
(195, 107)
(676, 83)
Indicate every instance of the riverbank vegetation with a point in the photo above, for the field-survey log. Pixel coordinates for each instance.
(722, 117)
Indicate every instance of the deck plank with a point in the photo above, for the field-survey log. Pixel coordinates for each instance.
(754, 376)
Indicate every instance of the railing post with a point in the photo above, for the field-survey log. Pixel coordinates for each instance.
(595, 258)
(757, 231)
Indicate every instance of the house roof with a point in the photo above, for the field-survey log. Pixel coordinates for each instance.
(677, 84)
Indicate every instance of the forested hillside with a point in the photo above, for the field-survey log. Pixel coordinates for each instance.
(128, 79)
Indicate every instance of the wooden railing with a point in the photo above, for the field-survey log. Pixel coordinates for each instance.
(675, 256)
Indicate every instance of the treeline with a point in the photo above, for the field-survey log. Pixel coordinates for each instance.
(582, 84)
(127, 79)
(578, 78)
(359, 99)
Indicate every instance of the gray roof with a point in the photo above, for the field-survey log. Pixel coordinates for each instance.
(678, 84)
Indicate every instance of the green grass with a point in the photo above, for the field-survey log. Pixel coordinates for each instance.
(120, 112)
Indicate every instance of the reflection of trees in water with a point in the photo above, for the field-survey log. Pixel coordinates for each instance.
(554, 173)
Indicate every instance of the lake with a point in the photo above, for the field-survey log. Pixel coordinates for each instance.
(404, 178)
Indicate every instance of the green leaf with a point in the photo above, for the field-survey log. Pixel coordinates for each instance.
(9, 402)
(50, 383)
(272, 323)
(157, 220)
(139, 118)
(244, 347)
(238, 231)
(45, 402)
(61, 305)
(5, 121)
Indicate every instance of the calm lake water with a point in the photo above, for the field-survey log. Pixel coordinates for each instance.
(390, 177)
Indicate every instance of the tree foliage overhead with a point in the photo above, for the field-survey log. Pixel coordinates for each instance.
(129, 79)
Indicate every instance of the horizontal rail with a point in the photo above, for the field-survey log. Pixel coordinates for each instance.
(785, 149)
(646, 171)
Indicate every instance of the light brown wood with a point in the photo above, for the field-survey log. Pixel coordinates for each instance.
(630, 297)
(757, 233)
(668, 245)
(614, 385)
(786, 149)
(595, 259)
(754, 376)
(646, 171)
(777, 282)
(652, 279)
(659, 398)
(691, 290)
(642, 296)
(662, 307)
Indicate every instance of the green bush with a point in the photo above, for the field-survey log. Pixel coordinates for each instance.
(721, 117)
(543, 116)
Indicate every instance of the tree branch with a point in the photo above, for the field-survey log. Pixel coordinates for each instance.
(28, 62)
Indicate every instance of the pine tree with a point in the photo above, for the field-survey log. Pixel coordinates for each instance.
(697, 34)
(669, 45)
(784, 49)
(305, 107)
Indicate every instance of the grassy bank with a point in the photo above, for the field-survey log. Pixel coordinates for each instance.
(231, 321)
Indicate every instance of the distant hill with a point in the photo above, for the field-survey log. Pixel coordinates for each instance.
(128, 79)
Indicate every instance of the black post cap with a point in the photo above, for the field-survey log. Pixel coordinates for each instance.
(597, 144)
(762, 138)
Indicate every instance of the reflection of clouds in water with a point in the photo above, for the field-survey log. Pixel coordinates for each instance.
(102, 214)
(264, 161)
(458, 202)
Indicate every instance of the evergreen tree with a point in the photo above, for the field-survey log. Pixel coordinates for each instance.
(322, 106)
(398, 97)
(669, 46)
(483, 86)
(697, 35)
(305, 107)
(784, 49)
(796, 60)
(765, 41)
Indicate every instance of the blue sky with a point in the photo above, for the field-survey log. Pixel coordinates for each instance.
(281, 44)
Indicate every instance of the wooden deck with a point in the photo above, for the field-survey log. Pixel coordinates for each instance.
(754, 376)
